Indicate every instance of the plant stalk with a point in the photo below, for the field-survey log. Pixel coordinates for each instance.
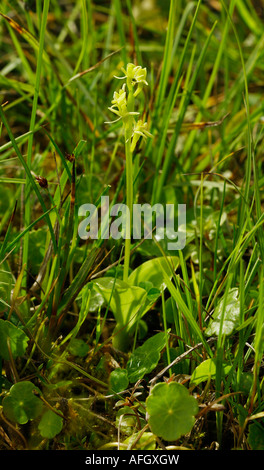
(129, 201)
(129, 181)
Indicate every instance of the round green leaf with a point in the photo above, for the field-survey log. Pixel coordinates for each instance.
(22, 404)
(16, 338)
(50, 424)
(171, 410)
(151, 271)
(118, 380)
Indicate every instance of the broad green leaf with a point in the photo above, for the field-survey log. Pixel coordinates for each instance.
(146, 357)
(14, 337)
(124, 300)
(152, 292)
(231, 315)
(151, 271)
(171, 410)
(146, 285)
(50, 424)
(129, 301)
(118, 380)
(21, 404)
(207, 369)
(153, 295)
(96, 300)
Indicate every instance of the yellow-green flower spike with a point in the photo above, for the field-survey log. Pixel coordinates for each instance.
(123, 105)
(140, 130)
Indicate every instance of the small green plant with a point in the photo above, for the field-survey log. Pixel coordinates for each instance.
(23, 404)
(129, 301)
(123, 105)
(100, 354)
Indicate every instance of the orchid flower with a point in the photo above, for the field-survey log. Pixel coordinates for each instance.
(123, 105)
(119, 101)
(135, 75)
(140, 129)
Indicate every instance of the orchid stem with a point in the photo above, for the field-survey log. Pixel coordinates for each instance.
(129, 181)
(123, 105)
(129, 201)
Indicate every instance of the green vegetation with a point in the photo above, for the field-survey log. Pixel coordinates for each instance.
(123, 343)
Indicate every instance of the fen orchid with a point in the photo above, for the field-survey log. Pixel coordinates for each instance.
(123, 105)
